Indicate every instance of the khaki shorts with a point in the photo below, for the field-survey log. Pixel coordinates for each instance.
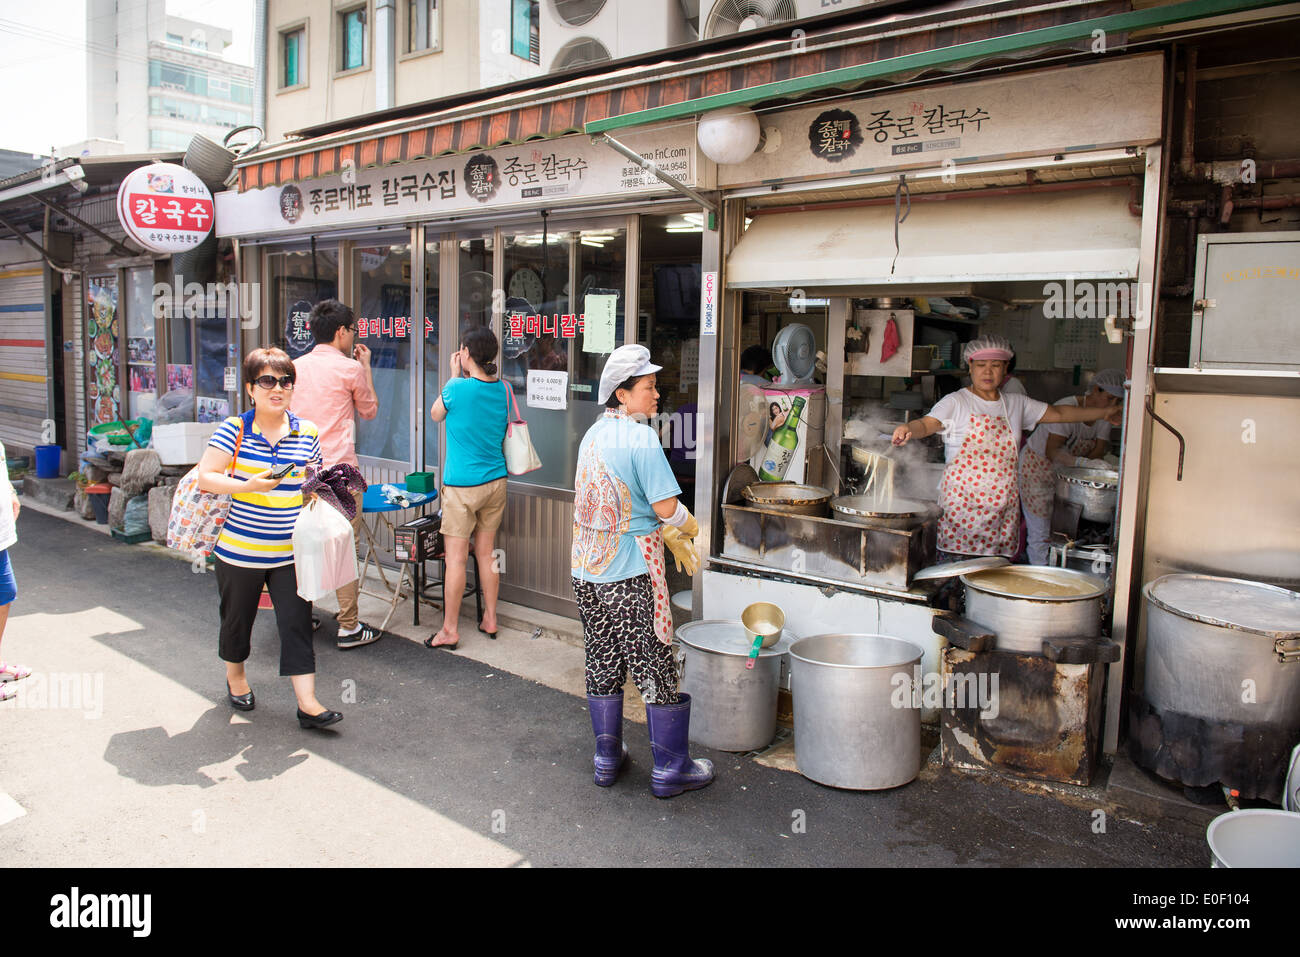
(466, 509)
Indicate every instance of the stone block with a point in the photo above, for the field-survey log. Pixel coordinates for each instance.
(140, 472)
(160, 510)
(116, 508)
(81, 505)
(55, 492)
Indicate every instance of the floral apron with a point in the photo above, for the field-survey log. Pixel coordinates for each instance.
(652, 550)
(1037, 484)
(979, 494)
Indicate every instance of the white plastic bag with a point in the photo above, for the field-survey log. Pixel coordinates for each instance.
(324, 550)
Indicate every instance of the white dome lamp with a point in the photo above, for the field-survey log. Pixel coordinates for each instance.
(729, 135)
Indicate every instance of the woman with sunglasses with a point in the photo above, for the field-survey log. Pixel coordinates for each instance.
(256, 543)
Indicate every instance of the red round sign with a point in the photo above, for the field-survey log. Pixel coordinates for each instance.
(165, 208)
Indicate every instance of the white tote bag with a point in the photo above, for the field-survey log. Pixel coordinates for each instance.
(324, 550)
(521, 457)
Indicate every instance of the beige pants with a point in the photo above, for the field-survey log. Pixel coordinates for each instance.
(347, 595)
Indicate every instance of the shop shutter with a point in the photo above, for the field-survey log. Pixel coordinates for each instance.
(24, 375)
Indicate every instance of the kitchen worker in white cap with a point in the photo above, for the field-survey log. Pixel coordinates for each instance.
(981, 428)
(1064, 445)
(625, 511)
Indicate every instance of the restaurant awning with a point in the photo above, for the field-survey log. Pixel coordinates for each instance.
(946, 240)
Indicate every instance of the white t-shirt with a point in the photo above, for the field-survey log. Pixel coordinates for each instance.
(955, 410)
(1078, 435)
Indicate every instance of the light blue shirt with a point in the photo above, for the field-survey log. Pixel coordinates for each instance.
(476, 427)
(622, 471)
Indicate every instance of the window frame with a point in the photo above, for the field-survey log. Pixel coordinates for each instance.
(404, 40)
(282, 33)
(341, 12)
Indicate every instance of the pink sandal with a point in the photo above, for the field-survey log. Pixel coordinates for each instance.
(13, 672)
(8, 691)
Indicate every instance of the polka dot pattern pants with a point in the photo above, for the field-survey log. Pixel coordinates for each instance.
(618, 624)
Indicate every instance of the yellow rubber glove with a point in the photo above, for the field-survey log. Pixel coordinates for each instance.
(682, 547)
(690, 529)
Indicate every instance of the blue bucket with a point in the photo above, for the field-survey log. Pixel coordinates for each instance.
(48, 459)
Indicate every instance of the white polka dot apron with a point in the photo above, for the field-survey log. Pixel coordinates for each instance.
(1037, 483)
(981, 504)
(652, 550)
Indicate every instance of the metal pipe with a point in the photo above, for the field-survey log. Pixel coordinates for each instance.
(1188, 162)
(1182, 444)
(659, 174)
(1229, 171)
(1129, 181)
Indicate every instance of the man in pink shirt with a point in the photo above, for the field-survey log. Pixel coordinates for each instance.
(334, 385)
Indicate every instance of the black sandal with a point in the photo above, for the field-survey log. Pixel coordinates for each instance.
(428, 643)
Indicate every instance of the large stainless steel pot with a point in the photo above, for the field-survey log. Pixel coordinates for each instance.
(1023, 604)
(788, 498)
(1093, 490)
(894, 513)
(732, 708)
(1211, 639)
(849, 731)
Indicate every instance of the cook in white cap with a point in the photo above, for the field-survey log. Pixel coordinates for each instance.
(625, 510)
(981, 428)
(1067, 445)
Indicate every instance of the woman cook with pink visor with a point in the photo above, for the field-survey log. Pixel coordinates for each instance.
(981, 427)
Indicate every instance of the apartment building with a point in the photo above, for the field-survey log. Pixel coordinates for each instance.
(153, 80)
(329, 60)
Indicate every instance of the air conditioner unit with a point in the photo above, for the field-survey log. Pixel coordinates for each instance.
(718, 18)
(576, 32)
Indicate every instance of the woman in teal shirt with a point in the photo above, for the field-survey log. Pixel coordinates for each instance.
(474, 482)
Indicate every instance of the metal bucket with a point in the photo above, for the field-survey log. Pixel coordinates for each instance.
(732, 708)
(1258, 837)
(848, 731)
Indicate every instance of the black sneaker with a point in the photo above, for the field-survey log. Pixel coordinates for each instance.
(363, 637)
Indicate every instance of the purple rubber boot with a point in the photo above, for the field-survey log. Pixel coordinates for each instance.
(674, 770)
(607, 723)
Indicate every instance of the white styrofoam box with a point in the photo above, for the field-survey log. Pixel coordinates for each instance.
(182, 443)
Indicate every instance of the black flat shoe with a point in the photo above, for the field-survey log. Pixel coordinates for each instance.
(322, 720)
(240, 702)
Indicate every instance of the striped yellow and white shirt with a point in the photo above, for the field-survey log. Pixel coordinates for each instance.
(259, 530)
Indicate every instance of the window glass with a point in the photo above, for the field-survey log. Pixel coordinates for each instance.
(571, 273)
(524, 30)
(297, 283)
(669, 326)
(423, 27)
(382, 279)
(141, 343)
(354, 39)
(432, 380)
(292, 52)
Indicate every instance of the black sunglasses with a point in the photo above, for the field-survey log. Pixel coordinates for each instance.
(269, 382)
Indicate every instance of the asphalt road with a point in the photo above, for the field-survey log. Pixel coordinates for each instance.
(440, 760)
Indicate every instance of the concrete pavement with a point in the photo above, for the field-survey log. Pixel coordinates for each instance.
(121, 750)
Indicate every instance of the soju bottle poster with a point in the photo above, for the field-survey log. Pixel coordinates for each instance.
(782, 456)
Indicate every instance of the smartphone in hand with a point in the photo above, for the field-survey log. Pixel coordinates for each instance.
(280, 471)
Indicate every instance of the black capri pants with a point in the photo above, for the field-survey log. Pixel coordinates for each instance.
(240, 588)
(618, 623)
